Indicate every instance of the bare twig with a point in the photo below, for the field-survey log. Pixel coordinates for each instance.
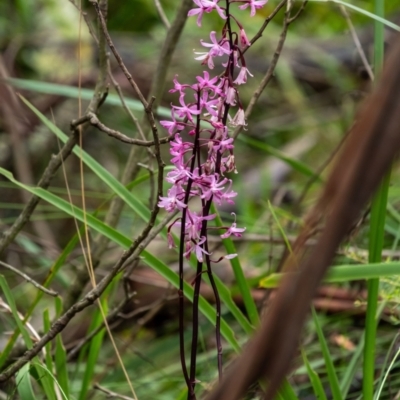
(110, 394)
(270, 72)
(29, 279)
(167, 51)
(265, 24)
(120, 62)
(161, 13)
(357, 42)
(94, 120)
(117, 87)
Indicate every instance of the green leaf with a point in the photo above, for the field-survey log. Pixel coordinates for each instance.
(47, 384)
(343, 273)
(11, 303)
(286, 392)
(241, 281)
(293, 163)
(94, 348)
(60, 356)
(24, 385)
(364, 12)
(330, 368)
(75, 93)
(49, 375)
(314, 379)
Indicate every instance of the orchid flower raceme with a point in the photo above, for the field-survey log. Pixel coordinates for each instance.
(207, 110)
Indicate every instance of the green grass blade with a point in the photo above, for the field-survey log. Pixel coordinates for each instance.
(295, 164)
(241, 281)
(354, 363)
(352, 368)
(286, 392)
(376, 236)
(117, 187)
(330, 368)
(94, 350)
(343, 273)
(374, 16)
(75, 93)
(24, 385)
(50, 377)
(48, 385)
(383, 376)
(10, 301)
(314, 379)
(60, 356)
(396, 356)
(23, 330)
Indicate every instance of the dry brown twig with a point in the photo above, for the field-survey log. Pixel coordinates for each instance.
(110, 394)
(29, 279)
(93, 119)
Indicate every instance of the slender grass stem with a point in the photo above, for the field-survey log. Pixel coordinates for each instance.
(377, 223)
(378, 212)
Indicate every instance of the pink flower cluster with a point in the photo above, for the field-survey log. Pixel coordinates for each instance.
(203, 114)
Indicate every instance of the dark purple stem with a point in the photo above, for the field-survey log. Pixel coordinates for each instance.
(181, 256)
(218, 313)
(190, 380)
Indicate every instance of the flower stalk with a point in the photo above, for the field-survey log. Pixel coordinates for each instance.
(203, 163)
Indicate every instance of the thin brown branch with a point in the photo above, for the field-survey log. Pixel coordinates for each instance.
(357, 42)
(120, 62)
(265, 24)
(299, 11)
(29, 279)
(271, 69)
(110, 394)
(167, 51)
(161, 13)
(94, 120)
(118, 89)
